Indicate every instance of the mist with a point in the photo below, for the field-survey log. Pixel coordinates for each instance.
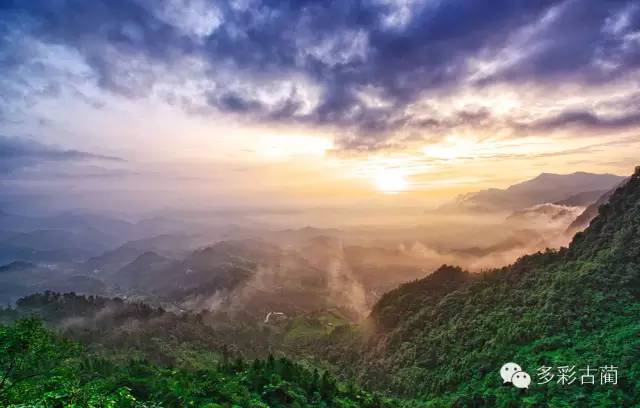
(250, 261)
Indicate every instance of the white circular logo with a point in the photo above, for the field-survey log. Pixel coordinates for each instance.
(521, 379)
(508, 370)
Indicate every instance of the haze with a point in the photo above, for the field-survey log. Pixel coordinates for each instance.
(370, 141)
(157, 105)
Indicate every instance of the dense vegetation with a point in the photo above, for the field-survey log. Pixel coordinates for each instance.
(125, 329)
(435, 342)
(445, 337)
(136, 330)
(40, 369)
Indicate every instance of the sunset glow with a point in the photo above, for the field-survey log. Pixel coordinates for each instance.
(338, 109)
(287, 203)
(391, 181)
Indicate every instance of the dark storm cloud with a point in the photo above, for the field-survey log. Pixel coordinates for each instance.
(586, 120)
(592, 41)
(18, 153)
(402, 51)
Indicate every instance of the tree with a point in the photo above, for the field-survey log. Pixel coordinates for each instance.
(30, 352)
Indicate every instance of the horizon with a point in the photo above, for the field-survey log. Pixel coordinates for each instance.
(384, 103)
(9, 207)
(319, 203)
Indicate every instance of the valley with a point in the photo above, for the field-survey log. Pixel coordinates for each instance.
(319, 204)
(416, 337)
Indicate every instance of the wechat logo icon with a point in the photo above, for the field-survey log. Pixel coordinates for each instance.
(512, 373)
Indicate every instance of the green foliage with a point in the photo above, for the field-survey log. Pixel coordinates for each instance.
(135, 330)
(42, 370)
(439, 341)
(444, 338)
(305, 329)
(32, 359)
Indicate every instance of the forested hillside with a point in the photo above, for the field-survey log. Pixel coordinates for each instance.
(439, 341)
(126, 329)
(444, 338)
(40, 369)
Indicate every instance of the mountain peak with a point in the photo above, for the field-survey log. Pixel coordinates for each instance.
(545, 174)
(544, 188)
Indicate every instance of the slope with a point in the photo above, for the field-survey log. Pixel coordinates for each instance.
(578, 306)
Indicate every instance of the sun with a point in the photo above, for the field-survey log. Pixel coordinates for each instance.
(390, 181)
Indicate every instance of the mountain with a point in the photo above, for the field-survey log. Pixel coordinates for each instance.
(67, 237)
(111, 261)
(148, 273)
(203, 272)
(582, 221)
(445, 337)
(175, 246)
(439, 341)
(582, 199)
(255, 278)
(545, 188)
(19, 279)
(76, 236)
(389, 313)
(246, 277)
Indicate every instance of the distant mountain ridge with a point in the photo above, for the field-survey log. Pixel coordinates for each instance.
(545, 188)
(589, 213)
(582, 199)
(248, 276)
(443, 338)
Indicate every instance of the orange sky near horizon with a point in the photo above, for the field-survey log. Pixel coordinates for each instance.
(359, 112)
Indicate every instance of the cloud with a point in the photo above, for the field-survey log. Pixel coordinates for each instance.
(359, 67)
(585, 120)
(18, 153)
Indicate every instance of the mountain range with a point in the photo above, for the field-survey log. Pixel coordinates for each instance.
(576, 189)
(257, 271)
(444, 338)
(437, 341)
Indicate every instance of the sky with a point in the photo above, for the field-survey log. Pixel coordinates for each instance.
(311, 103)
